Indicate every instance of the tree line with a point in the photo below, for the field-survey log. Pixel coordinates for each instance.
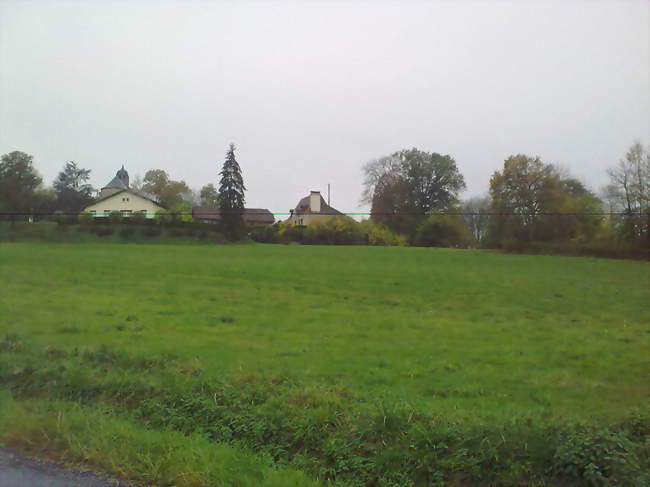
(414, 198)
(529, 203)
(22, 193)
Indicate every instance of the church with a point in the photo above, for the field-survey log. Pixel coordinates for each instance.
(118, 196)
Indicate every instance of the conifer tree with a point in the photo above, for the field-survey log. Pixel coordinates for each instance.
(231, 194)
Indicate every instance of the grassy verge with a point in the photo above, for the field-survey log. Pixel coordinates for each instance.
(328, 433)
(99, 439)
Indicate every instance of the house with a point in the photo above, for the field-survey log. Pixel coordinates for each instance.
(117, 196)
(312, 209)
(251, 216)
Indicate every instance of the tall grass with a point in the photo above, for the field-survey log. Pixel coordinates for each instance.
(96, 437)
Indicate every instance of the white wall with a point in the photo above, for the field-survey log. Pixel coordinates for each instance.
(126, 200)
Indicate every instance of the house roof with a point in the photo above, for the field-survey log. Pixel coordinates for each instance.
(251, 215)
(304, 207)
(141, 195)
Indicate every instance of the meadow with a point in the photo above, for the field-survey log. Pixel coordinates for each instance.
(330, 364)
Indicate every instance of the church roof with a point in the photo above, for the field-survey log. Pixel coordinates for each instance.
(116, 183)
(120, 181)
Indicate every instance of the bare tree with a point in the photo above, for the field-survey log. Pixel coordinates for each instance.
(136, 183)
(476, 212)
(374, 171)
(630, 180)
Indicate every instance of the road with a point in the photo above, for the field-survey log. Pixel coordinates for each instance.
(17, 471)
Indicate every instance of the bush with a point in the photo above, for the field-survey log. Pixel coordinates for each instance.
(162, 217)
(380, 235)
(59, 217)
(182, 212)
(85, 218)
(265, 234)
(289, 232)
(334, 231)
(601, 457)
(176, 233)
(442, 231)
(103, 231)
(115, 217)
(138, 218)
(127, 232)
(151, 232)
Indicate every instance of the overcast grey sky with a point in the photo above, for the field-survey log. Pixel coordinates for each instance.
(309, 91)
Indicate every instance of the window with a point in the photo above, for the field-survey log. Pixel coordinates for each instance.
(126, 212)
(107, 212)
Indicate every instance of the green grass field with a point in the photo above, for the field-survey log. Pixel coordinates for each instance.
(469, 336)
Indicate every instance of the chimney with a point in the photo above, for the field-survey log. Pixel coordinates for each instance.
(314, 201)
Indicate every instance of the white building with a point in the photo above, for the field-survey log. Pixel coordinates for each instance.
(117, 196)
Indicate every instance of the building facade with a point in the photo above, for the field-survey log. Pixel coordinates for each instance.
(117, 196)
(313, 209)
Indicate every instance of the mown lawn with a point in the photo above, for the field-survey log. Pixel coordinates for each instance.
(468, 335)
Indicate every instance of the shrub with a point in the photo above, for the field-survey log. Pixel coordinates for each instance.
(151, 232)
(442, 231)
(381, 235)
(59, 217)
(115, 217)
(182, 212)
(138, 218)
(601, 457)
(127, 232)
(334, 231)
(103, 231)
(289, 232)
(162, 217)
(85, 218)
(176, 233)
(264, 234)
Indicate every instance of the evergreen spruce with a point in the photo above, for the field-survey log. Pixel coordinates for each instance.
(231, 195)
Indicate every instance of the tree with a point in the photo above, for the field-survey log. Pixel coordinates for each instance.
(231, 194)
(534, 201)
(629, 190)
(476, 213)
(72, 191)
(519, 193)
(169, 192)
(631, 177)
(18, 183)
(209, 196)
(374, 172)
(136, 183)
(408, 186)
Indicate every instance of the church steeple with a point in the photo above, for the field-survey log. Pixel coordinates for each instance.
(123, 176)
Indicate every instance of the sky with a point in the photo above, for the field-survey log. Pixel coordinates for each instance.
(309, 91)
